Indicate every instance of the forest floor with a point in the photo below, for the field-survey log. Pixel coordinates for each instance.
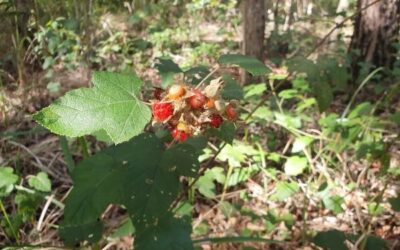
(30, 148)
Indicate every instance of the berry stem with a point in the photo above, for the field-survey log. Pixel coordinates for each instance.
(208, 76)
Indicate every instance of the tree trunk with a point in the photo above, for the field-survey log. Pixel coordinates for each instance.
(253, 31)
(376, 29)
(342, 7)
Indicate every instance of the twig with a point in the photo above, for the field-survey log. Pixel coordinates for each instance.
(207, 76)
(41, 218)
(338, 26)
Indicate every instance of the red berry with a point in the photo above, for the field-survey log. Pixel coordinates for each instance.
(179, 135)
(230, 112)
(216, 120)
(197, 100)
(157, 93)
(162, 111)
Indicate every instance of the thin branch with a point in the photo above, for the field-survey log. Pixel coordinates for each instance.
(338, 25)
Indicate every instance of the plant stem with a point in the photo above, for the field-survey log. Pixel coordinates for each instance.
(228, 176)
(8, 221)
(67, 153)
(358, 90)
(235, 239)
(83, 143)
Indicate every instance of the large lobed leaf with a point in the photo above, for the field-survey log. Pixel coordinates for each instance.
(139, 174)
(168, 234)
(249, 63)
(112, 104)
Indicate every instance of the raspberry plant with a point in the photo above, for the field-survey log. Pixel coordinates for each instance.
(143, 171)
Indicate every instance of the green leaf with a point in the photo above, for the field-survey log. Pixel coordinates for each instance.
(375, 209)
(303, 65)
(225, 132)
(206, 185)
(232, 89)
(198, 142)
(395, 117)
(316, 74)
(301, 143)
(183, 157)
(361, 110)
(323, 93)
(72, 233)
(249, 63)
(375, 243)
(288, 93)
(295, 165)
(339, 77)
(125, 229)
(167, 69)
(254, 90)
(334, 203)
(112, 104)
(27, 204)
(263, 113)
(395, 203)
(102, 135)
(168, 233)
(48, 62)
(336, 74)
(196, 75)
(40, 182)
(287, 120)
(184, 208)
(227, 209)
(284, 190)
(241, 174)
(130, 174)
(7, 177)
(332, 240)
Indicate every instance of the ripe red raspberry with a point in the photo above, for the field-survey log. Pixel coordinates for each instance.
(216, 120)
(162, 111)
(179, 135)
(230, 112)
(197, 100)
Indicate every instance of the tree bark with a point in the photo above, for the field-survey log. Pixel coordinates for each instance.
(253, 31)
(376, 29)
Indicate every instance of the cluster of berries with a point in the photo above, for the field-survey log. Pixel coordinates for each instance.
(189, 110)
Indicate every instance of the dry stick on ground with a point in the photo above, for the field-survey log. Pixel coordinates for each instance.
(264, 99)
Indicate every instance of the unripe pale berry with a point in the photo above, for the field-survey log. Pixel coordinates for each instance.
(183, 127)
(176, 91)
